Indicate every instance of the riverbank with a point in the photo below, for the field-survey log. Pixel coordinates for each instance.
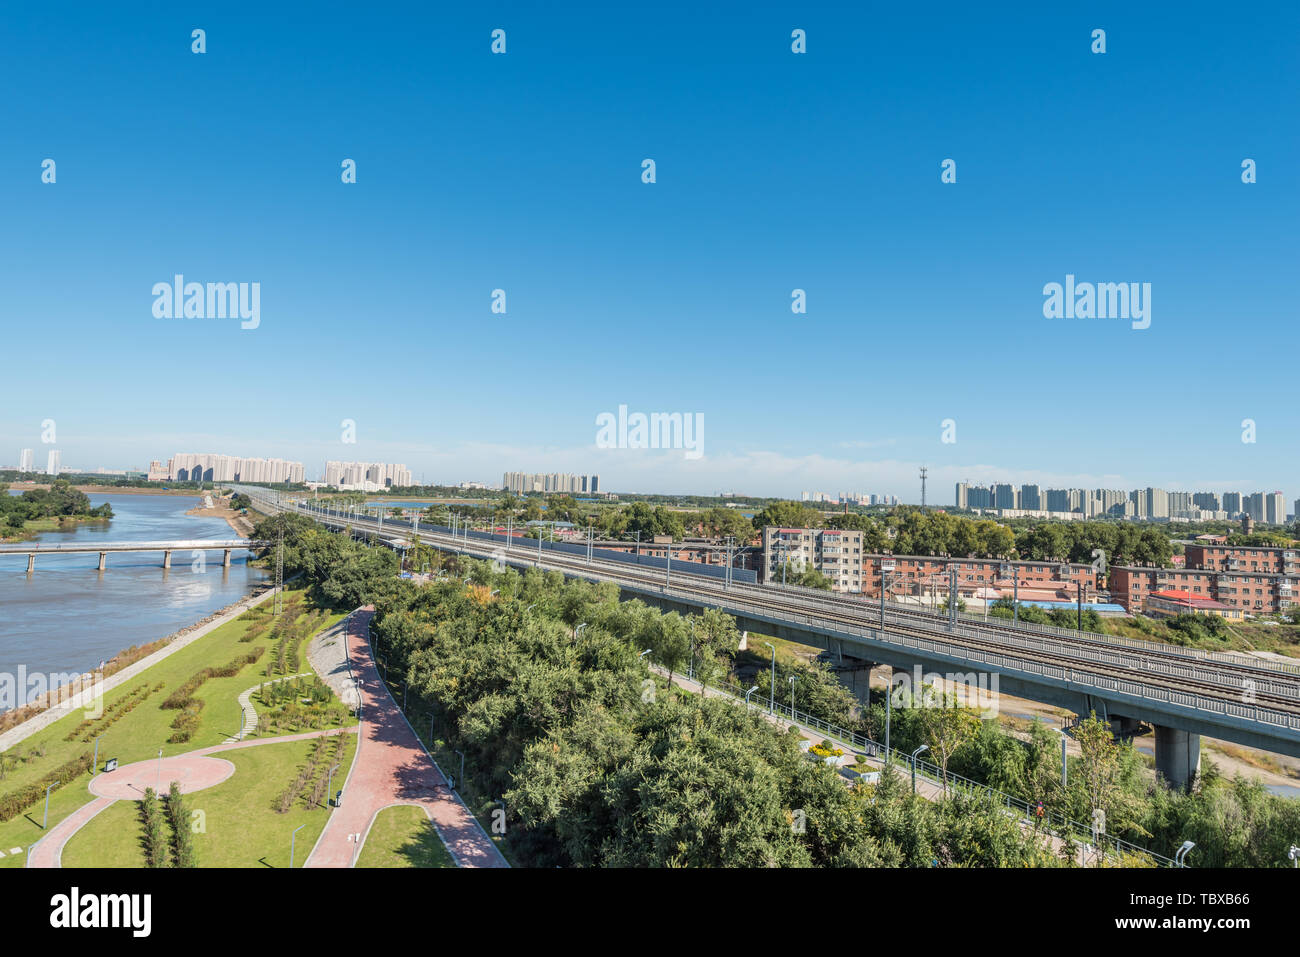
(61, 523)
(22, 723)
(213, 506)
(113, 489)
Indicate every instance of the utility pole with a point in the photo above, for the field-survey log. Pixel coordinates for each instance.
(889, 686)
(952, 597)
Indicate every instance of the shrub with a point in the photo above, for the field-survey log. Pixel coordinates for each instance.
(17, 801)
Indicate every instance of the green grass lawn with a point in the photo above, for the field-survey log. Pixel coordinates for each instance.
(240, 826)
(403, 836)
(145, 729)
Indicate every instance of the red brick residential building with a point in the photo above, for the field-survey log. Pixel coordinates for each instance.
(921, 574)
(1255, 592)
(1223, 557)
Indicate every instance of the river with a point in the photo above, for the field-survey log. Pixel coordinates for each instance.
(68, 616)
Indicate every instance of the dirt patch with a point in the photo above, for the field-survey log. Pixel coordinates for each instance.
(211, 506)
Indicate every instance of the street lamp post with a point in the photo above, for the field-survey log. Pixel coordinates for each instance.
(1180, 858)
(94, 768)
(293, 841)
(748, 693)
(46, 819)
(792, 697)
(462, 769)
(924, 747)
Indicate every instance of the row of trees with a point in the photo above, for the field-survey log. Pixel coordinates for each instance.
(551, 716)
(600, 765)
(1235, 822)
(60, 500)
(342, 573)
(903, 531)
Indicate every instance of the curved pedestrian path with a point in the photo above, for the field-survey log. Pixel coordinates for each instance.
(192, 771)
(249, 712)
(393, 767)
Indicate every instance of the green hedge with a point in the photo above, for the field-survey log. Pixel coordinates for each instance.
(15, 802)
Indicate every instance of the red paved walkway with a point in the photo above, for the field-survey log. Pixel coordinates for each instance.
(392, 767)
(192, 771)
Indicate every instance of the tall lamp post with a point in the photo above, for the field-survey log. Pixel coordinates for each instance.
(1180, 858)
(293, 841)
(924, 747)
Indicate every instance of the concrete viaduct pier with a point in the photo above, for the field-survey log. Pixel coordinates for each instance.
(226, 546)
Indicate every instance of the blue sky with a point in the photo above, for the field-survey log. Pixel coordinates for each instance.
(775, 171)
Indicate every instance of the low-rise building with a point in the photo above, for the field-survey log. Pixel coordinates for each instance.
(836, 553)
(1224, 557)
(924, 575)
(1171, 603)
(1261, 593)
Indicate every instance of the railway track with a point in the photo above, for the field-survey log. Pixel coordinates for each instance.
(1231, 686)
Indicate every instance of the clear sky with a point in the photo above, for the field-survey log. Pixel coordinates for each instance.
(775, 171)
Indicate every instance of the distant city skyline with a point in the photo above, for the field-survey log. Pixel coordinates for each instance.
(755, 487)
(1149, 503)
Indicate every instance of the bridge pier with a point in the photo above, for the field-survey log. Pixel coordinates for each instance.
(103, 560)
(225, 560)
(31, 562)
(167, 558)
(1178, 756)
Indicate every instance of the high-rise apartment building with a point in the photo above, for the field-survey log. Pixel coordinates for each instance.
(367, 476)
(26, 461)
(550, 483)
(190, 467)
(52, 464)
(1206, 500)
(1005, 496)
